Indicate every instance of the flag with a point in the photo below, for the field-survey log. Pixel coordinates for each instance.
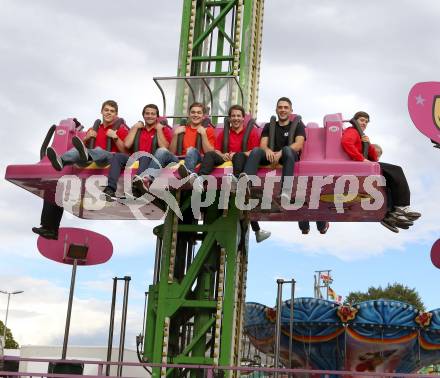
(326, 278)
(333, 296)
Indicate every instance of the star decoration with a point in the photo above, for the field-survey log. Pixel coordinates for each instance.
(420, 100)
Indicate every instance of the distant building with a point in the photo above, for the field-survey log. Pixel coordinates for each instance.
(74, 352)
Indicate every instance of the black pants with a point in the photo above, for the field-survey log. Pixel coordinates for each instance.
(396, 183)
(305, 225)
(258, 157)
(51, 216)
(212, 159)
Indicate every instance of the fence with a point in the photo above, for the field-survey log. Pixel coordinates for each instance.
(208, 371)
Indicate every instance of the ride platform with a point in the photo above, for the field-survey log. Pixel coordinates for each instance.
(322, 166)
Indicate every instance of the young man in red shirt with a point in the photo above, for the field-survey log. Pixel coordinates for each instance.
(80, 154)
(193, 156)
(51, 214)
(235, 154)
(150, 130)
(400, 214)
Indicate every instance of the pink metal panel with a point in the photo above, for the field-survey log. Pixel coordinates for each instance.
(333, 132)
(424, 108)
(100, 248)
(314, 147)
(435, 254)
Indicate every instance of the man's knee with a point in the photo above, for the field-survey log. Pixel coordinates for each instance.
(161, 152)
(288, 153)
(210, 155)
(192, 151)
(120, 158)
(257, 152)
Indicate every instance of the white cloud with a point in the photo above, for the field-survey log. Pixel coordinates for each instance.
(38, 315)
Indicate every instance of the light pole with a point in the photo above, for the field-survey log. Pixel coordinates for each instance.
(7, 310)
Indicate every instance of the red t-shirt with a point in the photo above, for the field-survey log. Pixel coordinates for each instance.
(236, 140)
(190, 138)
(146, 137)
(352, 145)
(101, 137)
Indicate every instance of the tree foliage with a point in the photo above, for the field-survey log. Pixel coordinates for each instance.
(395, 291)
(10, 342)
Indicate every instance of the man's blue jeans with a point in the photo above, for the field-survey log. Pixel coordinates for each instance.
(118, 162)
(192, 158)
(98, 155)
(163, 157)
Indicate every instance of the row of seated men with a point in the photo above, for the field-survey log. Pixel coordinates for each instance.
(199, 145)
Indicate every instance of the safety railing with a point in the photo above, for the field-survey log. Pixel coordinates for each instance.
(208, 371)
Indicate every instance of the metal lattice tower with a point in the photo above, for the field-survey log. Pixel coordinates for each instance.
(223, 37)
(196, 303)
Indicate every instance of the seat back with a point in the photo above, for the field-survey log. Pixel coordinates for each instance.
(314, 147)
(333, 126)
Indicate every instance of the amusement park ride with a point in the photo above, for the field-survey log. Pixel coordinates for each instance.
(196, 303)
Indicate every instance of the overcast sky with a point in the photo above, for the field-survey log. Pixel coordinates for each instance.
(62, 58)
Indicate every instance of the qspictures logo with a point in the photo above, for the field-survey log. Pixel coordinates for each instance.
(290, 195)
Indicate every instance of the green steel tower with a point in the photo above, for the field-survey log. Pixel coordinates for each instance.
(220, 38)
(196, 302)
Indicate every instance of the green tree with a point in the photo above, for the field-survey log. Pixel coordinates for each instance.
(10, 342)
(395, 291)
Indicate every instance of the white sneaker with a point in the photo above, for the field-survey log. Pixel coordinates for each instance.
(234, 179)
(285, 197)
(198, 184)
(246, 177)
(262, 235)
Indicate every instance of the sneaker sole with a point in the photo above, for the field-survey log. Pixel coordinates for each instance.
(53, 158)
(79, 145)
(110, 198)
(390, 227)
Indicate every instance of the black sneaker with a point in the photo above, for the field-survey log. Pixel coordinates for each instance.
(45, 233)
(81, 148)
(110, 195)
(390, 224)
(55, 160)
(400, 219)
(140, 186)
(183, 171)
(403, 226)
(324, 230)
(407, 212)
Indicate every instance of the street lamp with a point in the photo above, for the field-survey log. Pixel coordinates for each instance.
(8, 293)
